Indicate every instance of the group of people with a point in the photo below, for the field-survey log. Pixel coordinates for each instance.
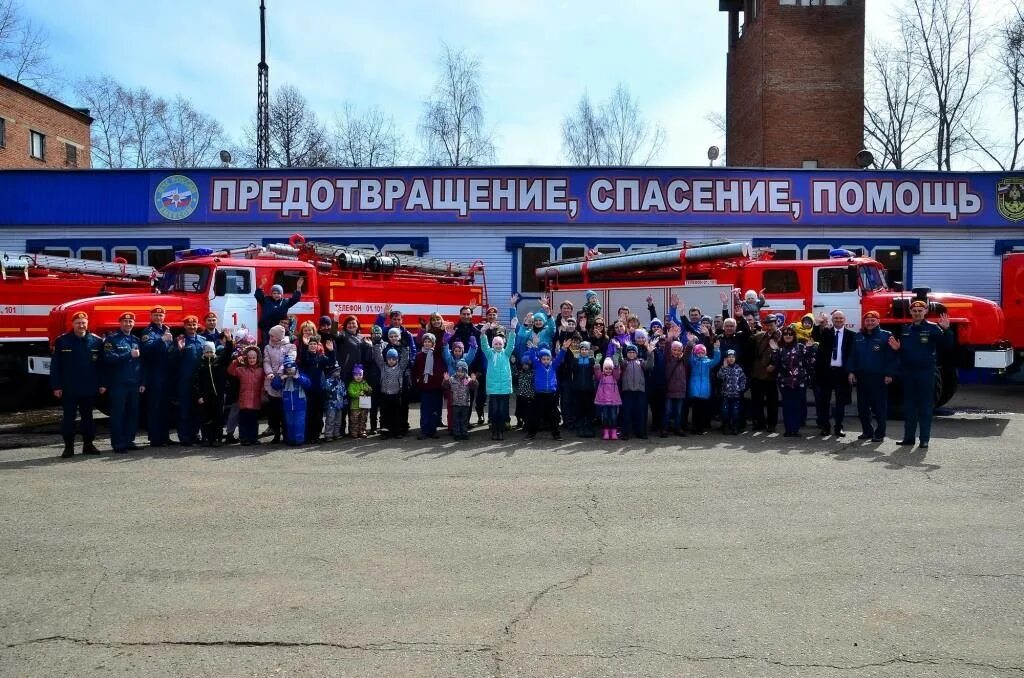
(569, 369)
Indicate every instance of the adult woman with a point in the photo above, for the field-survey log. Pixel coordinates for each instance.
(793, 364)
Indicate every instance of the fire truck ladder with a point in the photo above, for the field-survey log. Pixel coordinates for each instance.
(374, 262)
(23, 263)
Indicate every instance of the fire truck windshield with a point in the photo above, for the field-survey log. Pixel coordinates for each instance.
(872, 279)
(187, 279)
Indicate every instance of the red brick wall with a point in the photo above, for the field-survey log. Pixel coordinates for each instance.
(22, 113)
(796, 87)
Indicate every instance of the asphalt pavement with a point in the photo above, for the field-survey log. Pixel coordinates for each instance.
(745, 556)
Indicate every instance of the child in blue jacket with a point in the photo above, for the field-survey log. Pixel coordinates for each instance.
(543, 413)
(700, 385)
(293, 385)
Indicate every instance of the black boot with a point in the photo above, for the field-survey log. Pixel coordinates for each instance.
(88, 447)
(69, 447)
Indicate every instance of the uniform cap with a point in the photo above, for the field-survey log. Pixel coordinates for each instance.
(189, 318)
(210, 315)
(81, 315)
(872, 314)
(127, 315)
(917, 303)
(157, 309)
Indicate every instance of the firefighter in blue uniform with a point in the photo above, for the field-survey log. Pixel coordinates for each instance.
(75, 380)
(157, 347)
(211, 333)
(125, 379)
(872, 367)
(918, 348)
(188, 351)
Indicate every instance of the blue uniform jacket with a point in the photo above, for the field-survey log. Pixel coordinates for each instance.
(75, 367)
(920, 344)
(156, 355)
(186, 358)
(121, 368)
(872, 354)
(545, 379)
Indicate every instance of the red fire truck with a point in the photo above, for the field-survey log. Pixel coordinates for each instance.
(338, 282)
(706, 274)
(30, 286)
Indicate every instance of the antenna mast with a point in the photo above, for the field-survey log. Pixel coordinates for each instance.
(262, 96)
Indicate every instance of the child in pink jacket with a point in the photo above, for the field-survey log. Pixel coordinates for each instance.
(607, 398)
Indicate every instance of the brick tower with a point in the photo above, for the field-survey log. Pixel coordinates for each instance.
(795, 90)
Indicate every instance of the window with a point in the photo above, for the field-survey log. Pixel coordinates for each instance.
(857, 251)
(836, 280)
(185, 279)
(232, 281)
(58, 251)
(70, 155)
(893, 259)
(572, 252)
(37, 145)
(786, 253)
(781, 281)
(530, 257)
(817, 251)
(288, 279)
(609, 249)
(129, 254)
(92, 253)
(872, 278)
(3, 133)
(159, 256)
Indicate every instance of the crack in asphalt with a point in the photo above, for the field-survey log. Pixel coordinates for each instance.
(589, 507)
(383, 646)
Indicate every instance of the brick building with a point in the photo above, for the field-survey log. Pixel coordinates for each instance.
(795, 89)
(37, 131)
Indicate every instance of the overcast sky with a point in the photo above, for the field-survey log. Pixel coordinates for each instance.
(537, 57)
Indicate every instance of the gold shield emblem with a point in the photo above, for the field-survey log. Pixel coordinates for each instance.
(1010, 198)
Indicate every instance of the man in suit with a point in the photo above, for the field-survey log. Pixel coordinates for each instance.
(835, 345)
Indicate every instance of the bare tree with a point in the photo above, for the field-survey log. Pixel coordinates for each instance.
(452, 126)
(615, 134)
(188, 138)
(946, 45)
(143, 111)
(110, 132)
(1006, 152)
(366, 140)
(24, 49)
(297, 139)
(895, 115)
(583, 134)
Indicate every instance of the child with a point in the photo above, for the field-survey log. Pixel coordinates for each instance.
(753, 302)
(700, 385)
(544, 411)
(523, 371)
(734, 383)
(607, 398)
(247, 370)
(454, 351)
(274, 355)
(208, 391)
(633, 391)
(428, 374)
(461, 389)
(336, 400)
(358, 410)
(393, 364)
(292, 385)
(243, 340)
(677, 369)
(499, 383)
(584, 387)
(592, 308)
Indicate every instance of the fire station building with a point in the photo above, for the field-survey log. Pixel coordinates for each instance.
(945, 231)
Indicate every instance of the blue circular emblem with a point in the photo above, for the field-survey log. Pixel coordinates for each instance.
(176, 197)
